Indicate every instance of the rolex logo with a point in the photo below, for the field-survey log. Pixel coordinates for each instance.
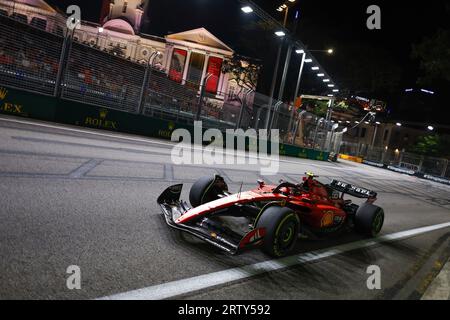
(103, 113)
(3, 93)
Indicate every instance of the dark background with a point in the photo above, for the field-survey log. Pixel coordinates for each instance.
(375, 64)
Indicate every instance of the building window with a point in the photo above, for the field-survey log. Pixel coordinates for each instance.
(125, 5)
(363, 132)
(195, 71)
(38, 23)
(231, 92)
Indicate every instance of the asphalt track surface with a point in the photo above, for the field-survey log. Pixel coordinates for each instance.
(74, 196)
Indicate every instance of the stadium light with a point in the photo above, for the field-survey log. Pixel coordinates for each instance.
(427, 91)
(247, 9)
(280, 34)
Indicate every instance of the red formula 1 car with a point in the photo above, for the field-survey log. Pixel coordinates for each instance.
(271, 217)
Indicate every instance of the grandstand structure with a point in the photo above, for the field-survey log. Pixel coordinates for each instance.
(107, 63)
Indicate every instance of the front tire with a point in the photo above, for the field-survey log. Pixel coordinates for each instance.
(282, 227)
(206, 189)
(369, 220)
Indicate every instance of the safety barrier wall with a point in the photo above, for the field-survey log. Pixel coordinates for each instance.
(31, 105)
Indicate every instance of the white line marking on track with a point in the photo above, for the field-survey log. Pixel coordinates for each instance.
(189, 285)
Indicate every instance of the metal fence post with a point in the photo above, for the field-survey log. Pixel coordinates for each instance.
(422, 158)
(241, 112)
(63, 59)
(202, 93)
(145, 82)
(296, 127)
(315, 132)
(277, 106)
(444, 170)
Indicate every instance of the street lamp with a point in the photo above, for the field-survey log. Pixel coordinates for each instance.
(247, 9)
(329, 51)
(398, 124)
(431, 128)
(427, 91)
(285, 7)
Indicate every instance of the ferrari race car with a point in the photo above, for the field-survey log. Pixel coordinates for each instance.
(270, 217)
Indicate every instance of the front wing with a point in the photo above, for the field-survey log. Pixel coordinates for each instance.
(204, 227)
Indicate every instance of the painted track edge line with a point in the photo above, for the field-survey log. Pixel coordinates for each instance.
(193, 284)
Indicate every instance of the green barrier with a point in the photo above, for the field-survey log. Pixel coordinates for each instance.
(75, 113)
(36, 106)
(25, 104)
(299, 152)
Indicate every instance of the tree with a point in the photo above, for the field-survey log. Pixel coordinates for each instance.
(434, 56)
(431, 145)
(244, 72)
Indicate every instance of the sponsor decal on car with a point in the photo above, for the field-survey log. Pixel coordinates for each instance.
(327, 219)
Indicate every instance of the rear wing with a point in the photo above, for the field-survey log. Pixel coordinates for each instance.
(352, 190)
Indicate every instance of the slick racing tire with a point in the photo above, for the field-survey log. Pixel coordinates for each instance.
(282, 228)
(369, 220)
(206, 189)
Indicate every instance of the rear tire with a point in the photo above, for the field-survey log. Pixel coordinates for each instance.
(369, 220)
(282, 227)
(206, 189)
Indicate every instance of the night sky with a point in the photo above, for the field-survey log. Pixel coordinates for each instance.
(323, 24)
